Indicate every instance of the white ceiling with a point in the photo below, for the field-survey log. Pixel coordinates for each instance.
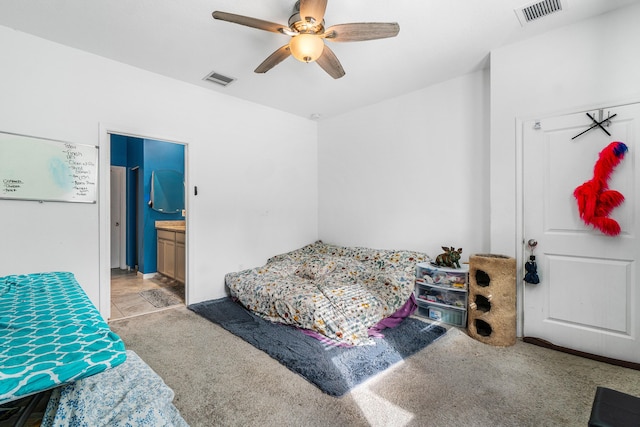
(438, 40)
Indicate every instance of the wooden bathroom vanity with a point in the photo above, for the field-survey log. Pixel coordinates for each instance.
(171, 249)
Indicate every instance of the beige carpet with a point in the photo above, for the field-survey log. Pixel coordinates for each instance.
(220, 380)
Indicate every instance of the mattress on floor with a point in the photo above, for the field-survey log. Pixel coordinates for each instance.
(50, 334)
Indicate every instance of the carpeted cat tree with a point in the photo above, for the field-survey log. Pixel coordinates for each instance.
(492, 299)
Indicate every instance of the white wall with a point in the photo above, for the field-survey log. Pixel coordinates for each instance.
(257, 180)
(591, 64)
(410, 172)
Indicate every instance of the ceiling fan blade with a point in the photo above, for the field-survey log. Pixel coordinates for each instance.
(361, 31)
(274, 59)
(249, 22)
(329, 62)
(313, 9)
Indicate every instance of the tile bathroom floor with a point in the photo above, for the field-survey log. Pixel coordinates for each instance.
(126, 286)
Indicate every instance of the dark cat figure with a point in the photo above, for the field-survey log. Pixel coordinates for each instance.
(450, 257)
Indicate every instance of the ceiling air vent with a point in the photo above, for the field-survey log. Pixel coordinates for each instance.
(218, 78)
(538, 10)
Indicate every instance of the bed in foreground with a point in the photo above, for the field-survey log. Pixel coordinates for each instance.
(53, 337)
(50, 334)
(131, 394)
(344, 294)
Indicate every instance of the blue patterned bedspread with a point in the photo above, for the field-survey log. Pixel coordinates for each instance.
(131, 394)
(50, 334)
(339, 292)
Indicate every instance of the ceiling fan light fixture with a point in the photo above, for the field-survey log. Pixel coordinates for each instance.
(306, 47)
(306, 28)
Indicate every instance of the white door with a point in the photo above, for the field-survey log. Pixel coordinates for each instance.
(118, 217)
(588, 298)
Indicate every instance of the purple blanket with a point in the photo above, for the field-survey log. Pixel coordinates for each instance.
(376, 330)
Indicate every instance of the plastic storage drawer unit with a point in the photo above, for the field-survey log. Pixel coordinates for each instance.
(442, 293)
(438, 313)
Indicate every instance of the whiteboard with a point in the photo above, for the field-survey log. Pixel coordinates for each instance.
(42, 169)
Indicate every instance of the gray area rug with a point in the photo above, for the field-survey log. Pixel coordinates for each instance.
(160, 298)
(171, 285)
(334, 370)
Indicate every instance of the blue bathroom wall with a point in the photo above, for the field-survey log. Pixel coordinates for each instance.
(141, 157)
(158, 155)
(119, 150)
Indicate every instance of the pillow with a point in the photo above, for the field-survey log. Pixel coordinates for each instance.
(299, 254)
(316, 267)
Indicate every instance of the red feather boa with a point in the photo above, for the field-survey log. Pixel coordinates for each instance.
(595, 200)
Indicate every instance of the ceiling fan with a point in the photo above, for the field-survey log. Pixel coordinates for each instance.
(306, 28)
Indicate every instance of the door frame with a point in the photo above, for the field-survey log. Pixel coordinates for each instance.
(104, 206)
(519, 243)
(519, 199)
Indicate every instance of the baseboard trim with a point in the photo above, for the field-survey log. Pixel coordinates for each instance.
(147, 275)
(543, 343)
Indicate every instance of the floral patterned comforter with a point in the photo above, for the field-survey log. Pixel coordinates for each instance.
(339, 292)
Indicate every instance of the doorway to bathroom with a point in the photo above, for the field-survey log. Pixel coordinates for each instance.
(147, 206)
